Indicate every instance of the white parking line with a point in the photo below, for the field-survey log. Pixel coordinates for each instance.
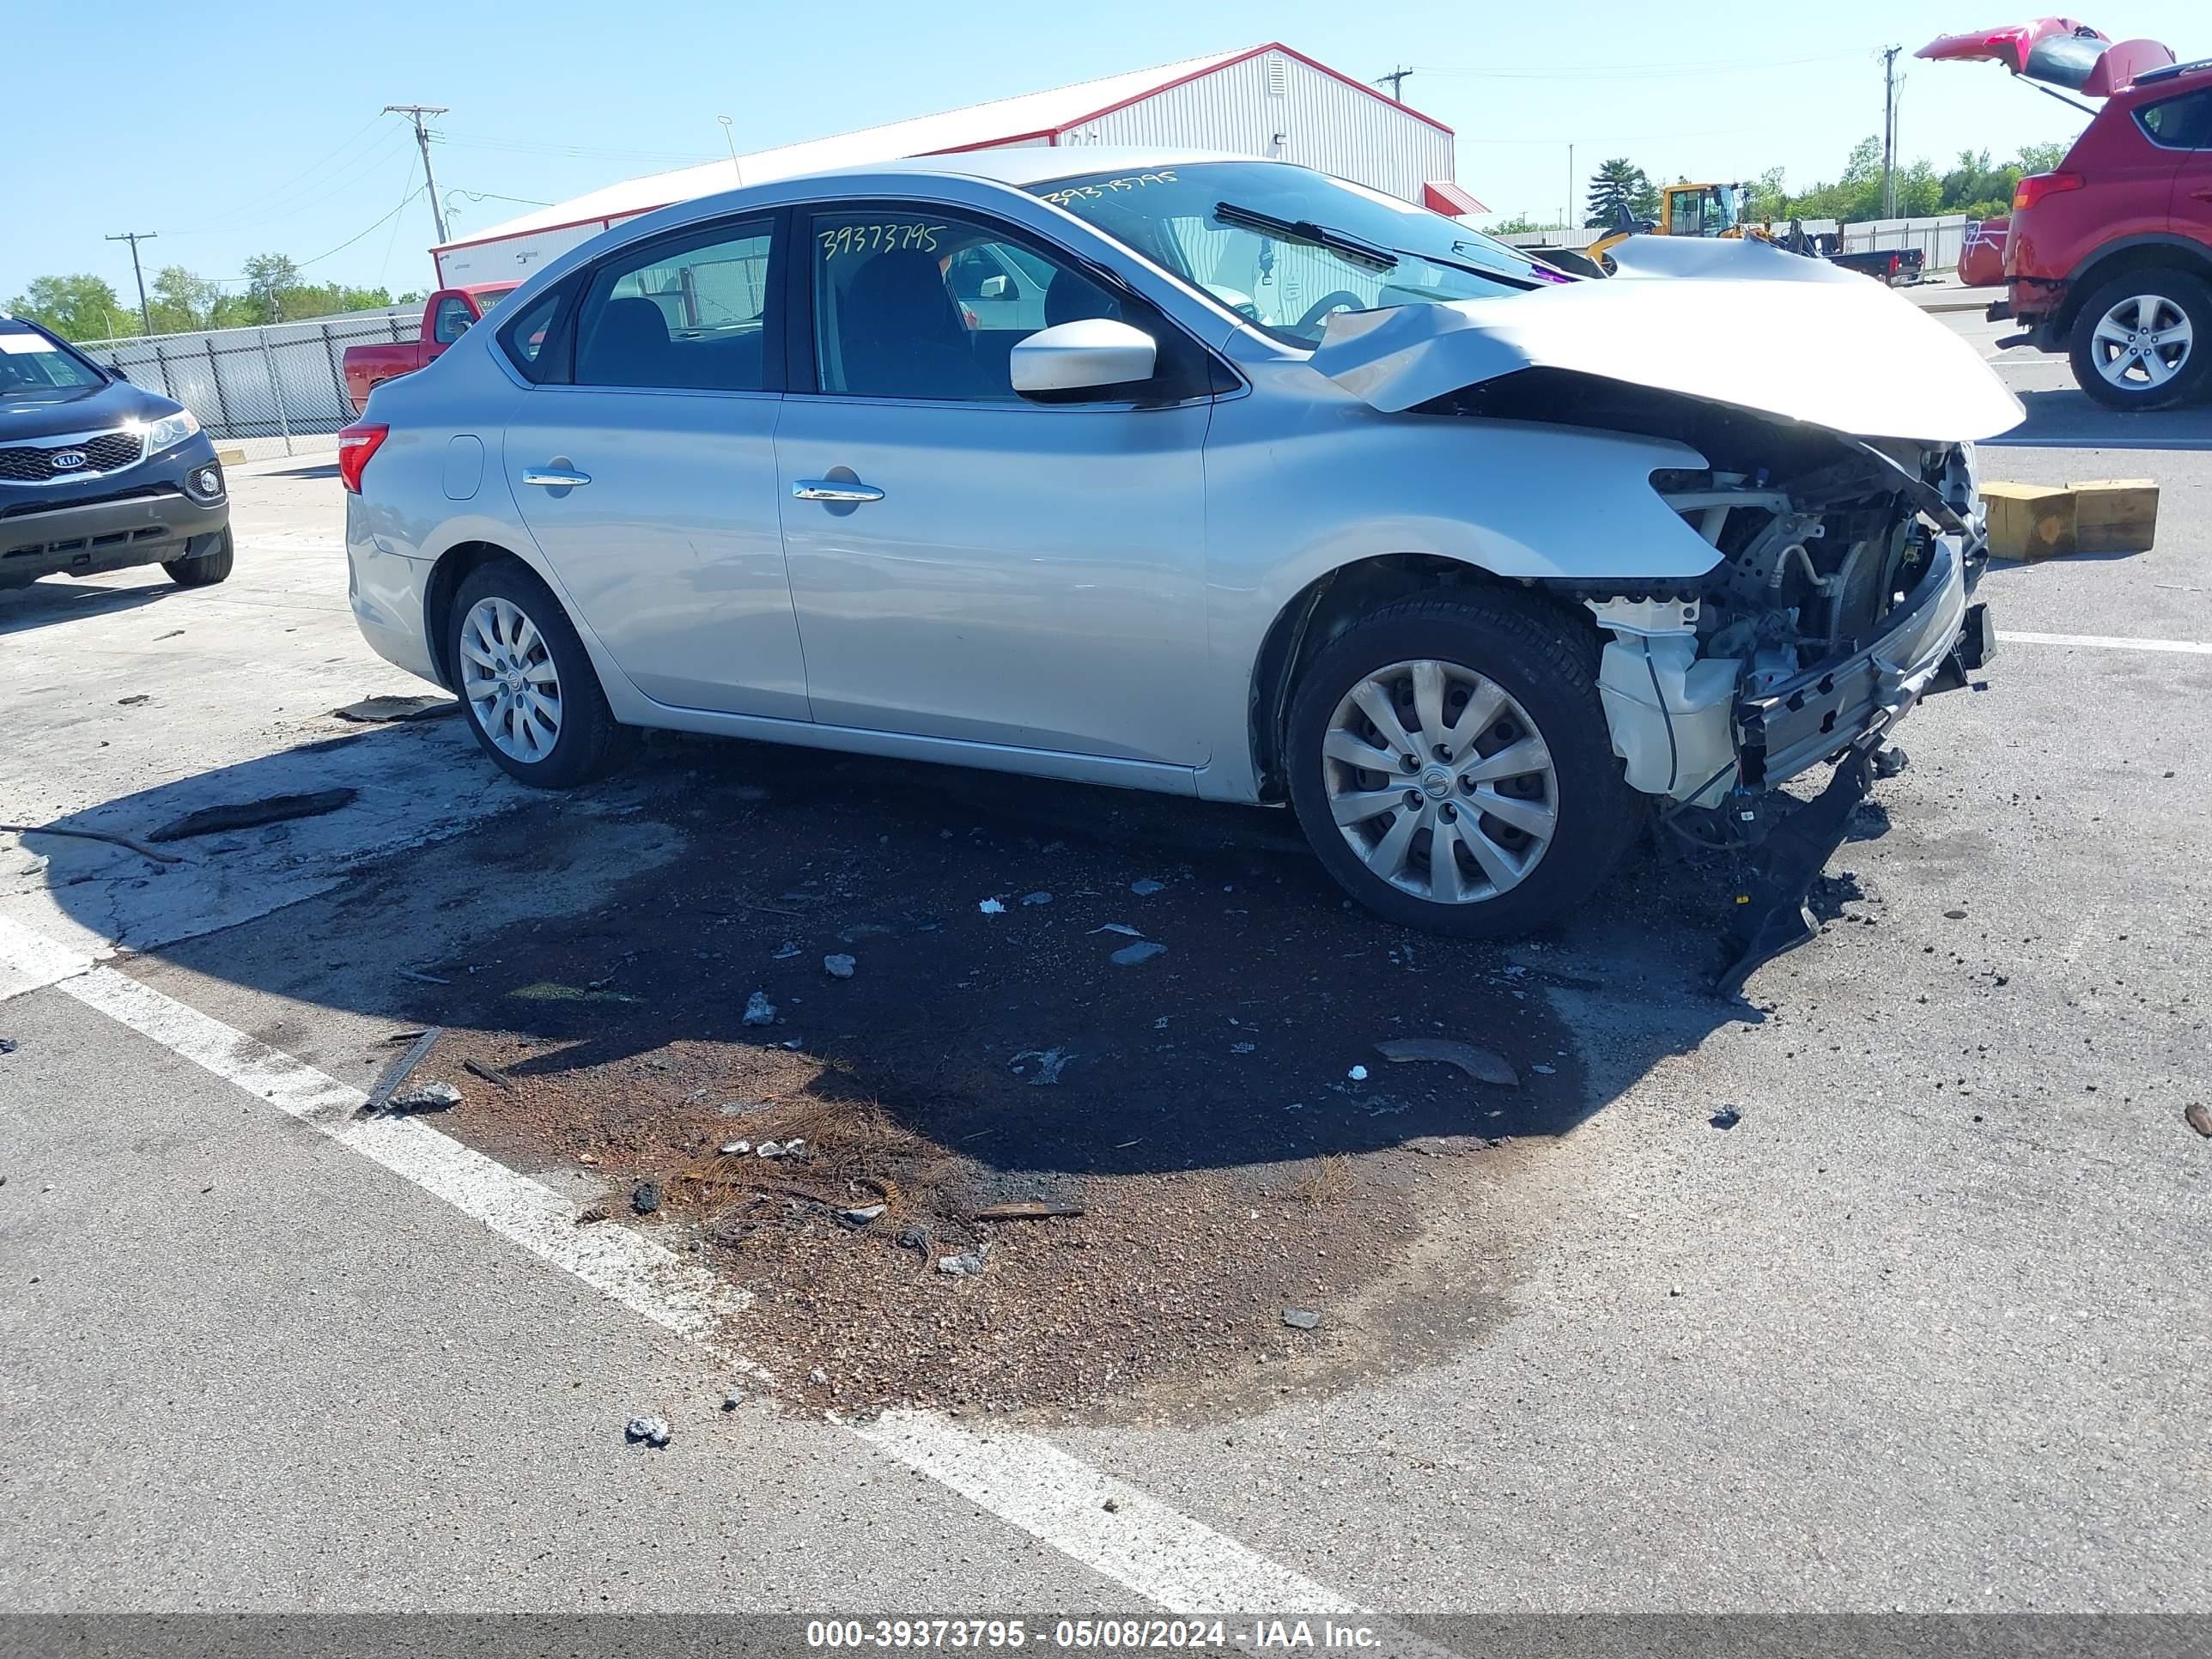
(2106, 642)
(1162, 1554)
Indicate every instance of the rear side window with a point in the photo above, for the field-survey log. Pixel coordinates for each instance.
(2183, 123)
(524, 336)
(688, 314)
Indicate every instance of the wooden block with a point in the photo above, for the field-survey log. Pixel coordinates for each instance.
(2029, 521)
(2115, 515)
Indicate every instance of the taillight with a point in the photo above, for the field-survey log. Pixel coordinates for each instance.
(356, 445)
(2036, 185)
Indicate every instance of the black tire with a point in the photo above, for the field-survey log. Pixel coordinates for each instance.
(2186, 293)
(206, 570)
(587, 742)
(1547, 666)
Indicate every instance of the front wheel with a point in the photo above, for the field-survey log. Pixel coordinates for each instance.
(2144, 341)
(206, 570)
(1450, 762)
(532, 698)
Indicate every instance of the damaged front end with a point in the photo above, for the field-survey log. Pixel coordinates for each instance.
(1844, 597)
(1832, 424)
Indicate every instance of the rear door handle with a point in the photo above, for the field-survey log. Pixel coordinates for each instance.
(546, 477)
(834, 490)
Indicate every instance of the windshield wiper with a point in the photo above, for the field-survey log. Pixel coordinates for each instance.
(1355, 248)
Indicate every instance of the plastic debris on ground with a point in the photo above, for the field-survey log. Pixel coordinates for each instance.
(648, 1431)
(1481, 1064)
(1144, 950)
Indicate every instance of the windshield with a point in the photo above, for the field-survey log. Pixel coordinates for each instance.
(30, 363)
(1286, 247)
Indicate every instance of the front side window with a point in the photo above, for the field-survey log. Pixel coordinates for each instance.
(2184, 123)
(927, 304)
(687, 315)
(1286, 248)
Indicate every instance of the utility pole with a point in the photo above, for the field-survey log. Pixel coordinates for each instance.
(1889, 131)
(135, 237)
(730, 138)
(1567, 216)
(416, 112)
(1396, 78)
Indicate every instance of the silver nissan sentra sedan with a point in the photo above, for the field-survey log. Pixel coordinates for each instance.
(1206, 475)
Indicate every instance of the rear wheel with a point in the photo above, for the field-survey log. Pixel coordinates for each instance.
(2144, 340)
(532, 698)
(206, 570)
(1450, 762)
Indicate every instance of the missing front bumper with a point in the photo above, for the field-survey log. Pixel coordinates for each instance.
(1853, 700)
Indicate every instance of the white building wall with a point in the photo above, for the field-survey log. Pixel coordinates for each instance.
(1322, 123)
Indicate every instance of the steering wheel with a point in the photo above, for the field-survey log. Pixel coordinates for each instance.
(1339, 301)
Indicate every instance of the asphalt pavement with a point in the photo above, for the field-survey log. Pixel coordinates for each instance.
(1925, 1329)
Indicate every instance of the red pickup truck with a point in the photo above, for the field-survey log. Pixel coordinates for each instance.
(449, 315)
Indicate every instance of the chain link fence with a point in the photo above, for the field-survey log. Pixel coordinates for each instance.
(273, 390)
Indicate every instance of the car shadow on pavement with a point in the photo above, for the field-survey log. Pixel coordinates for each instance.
(1054, 978)
(2067, 418)
(57, 599)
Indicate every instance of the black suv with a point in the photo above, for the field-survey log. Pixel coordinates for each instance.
(97, 475)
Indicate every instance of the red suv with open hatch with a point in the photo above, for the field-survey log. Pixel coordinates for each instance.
(2109, 257)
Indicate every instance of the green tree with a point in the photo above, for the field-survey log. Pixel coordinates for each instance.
(269, 276)
(1765, 200)
(182, 301)
(1619, 187)
(78, 307)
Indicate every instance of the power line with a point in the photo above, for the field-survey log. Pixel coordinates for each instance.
(135, 237)
(415, 112)
(1630, 72)
(382, 220)
(297, 198)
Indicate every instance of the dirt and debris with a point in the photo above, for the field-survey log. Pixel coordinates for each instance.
(422, 1097)
(1481, 1064)
(1727, 1118)
(644, 1198)
(378, 711)
(388, 1082)
(252, 814)
(648, 1431)
(1144, 950)
(1159, 1163)
(839, 966)
(1301, 1319)
(107, 836)
(2198, 1116)
(490, 1074)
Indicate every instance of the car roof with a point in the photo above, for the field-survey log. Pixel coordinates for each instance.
(1035, 164)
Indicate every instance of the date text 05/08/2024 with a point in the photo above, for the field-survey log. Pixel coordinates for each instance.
(1107, 1635)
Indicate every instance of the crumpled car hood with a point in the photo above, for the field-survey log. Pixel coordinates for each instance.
(1738, 322)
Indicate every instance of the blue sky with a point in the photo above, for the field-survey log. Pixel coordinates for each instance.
(253, 127)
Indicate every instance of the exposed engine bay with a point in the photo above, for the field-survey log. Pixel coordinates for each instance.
(1825, 542)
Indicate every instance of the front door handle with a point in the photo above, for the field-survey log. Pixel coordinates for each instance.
(834, 490)
(546, 477)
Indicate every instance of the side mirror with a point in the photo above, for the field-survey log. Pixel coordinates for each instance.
(1082, 357)
(995, 288)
